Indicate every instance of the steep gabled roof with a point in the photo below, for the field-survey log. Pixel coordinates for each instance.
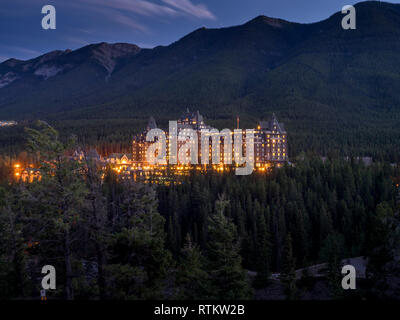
(152, 123)
(269, 124)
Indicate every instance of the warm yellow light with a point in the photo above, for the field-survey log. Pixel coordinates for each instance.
(17, 165)
(17, 174)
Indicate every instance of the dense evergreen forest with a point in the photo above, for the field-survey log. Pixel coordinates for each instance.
(373, 136)
(114, 238)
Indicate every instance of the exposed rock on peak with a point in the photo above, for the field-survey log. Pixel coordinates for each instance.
(50, 64)
(107, 54)
(7, 78)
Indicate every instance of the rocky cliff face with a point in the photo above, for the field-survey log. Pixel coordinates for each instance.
(50, 64)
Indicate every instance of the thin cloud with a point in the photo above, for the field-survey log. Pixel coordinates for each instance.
(112, 10)
(141, 7)
(76, 40)
(20, 50)
(147, 8)
(145, 45)
(198, 11)
(117, 17)
(17, 52)
(3, 58)
(86, 31)
(126, 21)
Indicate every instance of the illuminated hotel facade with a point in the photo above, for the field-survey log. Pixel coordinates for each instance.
(270, 149)
(270, 142)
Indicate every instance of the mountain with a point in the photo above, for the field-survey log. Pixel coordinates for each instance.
(69, 80)
(59, 76)
(326, 83)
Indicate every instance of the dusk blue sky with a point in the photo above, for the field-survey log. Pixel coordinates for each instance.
(147, 23)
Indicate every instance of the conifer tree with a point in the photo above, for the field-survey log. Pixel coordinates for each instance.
(13, 262)
(139, 245)
(97, 222)
(334, 277)
(381, 242)
(332, 252)
(228, 279)
(263, 252)
(288, 273)
(192, 279)
(59, 196)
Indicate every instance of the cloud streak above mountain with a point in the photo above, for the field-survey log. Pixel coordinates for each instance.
(140, 7)
(199, 11)
(147, 8)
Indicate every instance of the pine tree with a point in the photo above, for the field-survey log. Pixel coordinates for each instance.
(59, 196)
(263, 252)
(380, 248)
(334, 277)
(139, 245)
(333, 252)
(192, 279)
(288, 273)
(13, 262)
(228, 279)
(97, 222)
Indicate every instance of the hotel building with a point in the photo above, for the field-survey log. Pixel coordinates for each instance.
(270, 140)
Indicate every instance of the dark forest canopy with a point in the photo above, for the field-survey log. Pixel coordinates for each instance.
(120, 239)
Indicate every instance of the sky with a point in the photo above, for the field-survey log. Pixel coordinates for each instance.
(146, 23)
